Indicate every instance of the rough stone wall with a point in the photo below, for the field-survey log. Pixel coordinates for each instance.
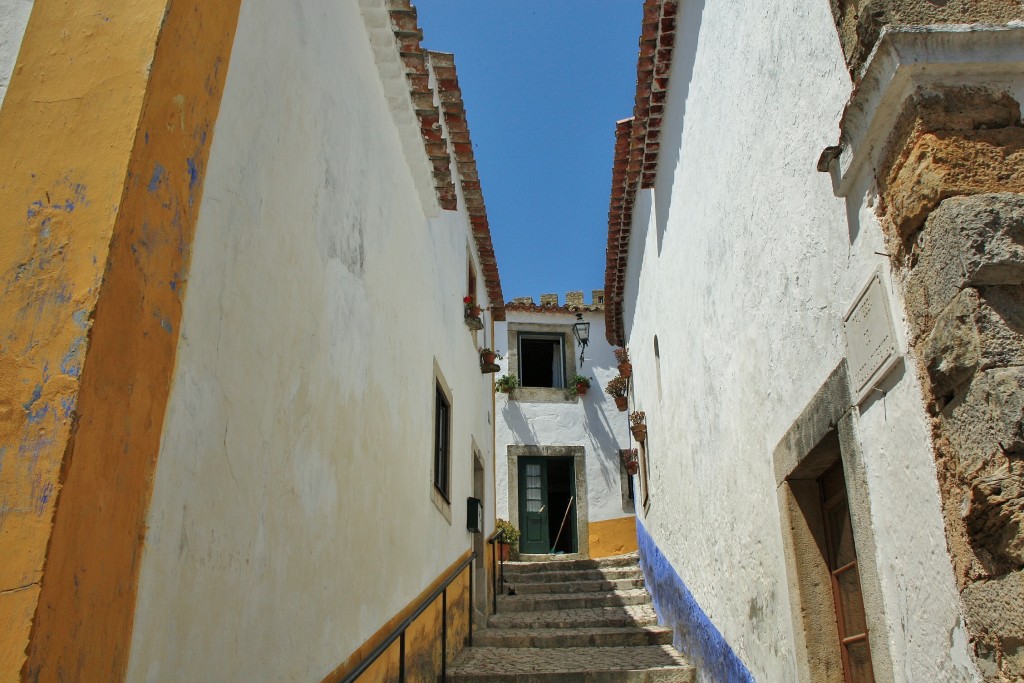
(953, 209)
(860, 22)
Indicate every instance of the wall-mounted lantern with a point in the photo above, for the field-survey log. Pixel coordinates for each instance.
(581, 330)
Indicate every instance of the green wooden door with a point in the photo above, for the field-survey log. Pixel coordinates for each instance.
(533, 506)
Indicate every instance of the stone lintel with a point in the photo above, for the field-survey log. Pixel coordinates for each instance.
(907, 58)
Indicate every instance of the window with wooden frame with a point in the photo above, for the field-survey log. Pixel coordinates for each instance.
(644, 472)
(442, 443)
(470, 278)
(845, 577)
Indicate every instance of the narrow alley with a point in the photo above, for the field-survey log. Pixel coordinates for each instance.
(270, 410)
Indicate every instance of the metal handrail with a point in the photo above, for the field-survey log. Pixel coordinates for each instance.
(398, 633)
(496, 538)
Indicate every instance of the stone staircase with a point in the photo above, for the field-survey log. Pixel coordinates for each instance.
(573, 621)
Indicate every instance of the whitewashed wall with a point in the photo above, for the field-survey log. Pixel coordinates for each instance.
(13, 20)
(758, 264)
(292, 512)
(594, 422)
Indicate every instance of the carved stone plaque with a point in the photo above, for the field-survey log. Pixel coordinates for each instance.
(870, 340)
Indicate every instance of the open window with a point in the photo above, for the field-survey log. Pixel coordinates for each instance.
(542, 355)
(542, 360)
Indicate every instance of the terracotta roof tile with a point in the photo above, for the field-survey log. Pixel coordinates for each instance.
(454, 110)
(637, 143)
(409, 36)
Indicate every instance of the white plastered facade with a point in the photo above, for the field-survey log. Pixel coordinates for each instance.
(591, 421)
(292, 512)
(744, 264)
(14, 16)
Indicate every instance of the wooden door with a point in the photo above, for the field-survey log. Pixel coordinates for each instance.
(533, 506)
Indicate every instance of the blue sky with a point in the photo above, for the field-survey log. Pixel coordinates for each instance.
(543, 83)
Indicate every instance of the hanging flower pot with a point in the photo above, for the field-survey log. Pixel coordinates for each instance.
(630, 460)
(638, 425)
(473, 320)
(625, 367)
(618, 389)
(472, 307)
(487, 358)
(580, 384)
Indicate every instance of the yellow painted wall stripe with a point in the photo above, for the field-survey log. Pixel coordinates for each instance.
(389, 661)
(612, 537)
(107, 126)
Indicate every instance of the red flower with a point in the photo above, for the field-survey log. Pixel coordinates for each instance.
(467, 300)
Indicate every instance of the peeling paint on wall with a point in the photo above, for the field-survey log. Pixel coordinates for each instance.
(85, 366)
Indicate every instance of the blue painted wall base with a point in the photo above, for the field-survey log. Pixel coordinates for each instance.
(695, 636)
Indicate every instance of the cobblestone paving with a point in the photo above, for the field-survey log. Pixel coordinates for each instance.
(629, 615)
(525, 643)
(607, 574)
(484, 660)
(573, 637)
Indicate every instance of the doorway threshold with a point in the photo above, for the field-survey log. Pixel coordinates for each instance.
(551, 557)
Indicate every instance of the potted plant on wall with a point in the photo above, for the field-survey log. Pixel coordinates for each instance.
(617, 389)
(487, 358)
(506, 383)
(473, 320)
(631, 460)
(625, 367)
(509, 539)
(638, 425)
(580, 384)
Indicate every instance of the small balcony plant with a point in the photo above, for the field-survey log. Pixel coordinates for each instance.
(506, 383)
(617, 389)
(622, 356)
(579, 384)
(638, 425)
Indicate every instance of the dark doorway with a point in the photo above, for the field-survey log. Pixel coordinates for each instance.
(547, 505)
(562, 500)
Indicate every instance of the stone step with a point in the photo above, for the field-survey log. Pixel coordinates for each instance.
(571, 601)
(652, 664)
(563, 576)
(623, 636)
(581, 586)
(517, 568)
(592, 617)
